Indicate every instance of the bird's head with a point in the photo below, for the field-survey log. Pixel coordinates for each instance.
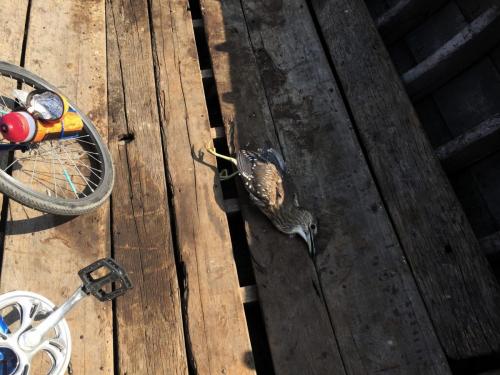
(306, 227)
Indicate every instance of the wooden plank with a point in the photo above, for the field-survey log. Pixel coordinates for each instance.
(475, 144)
(456, 282)
(300, 335)
(217, 330)
(149, 322)
(11, 44)
(404, 16)
(491, 244)
(378, 317)
(43, 253)
(12, 32)
(462, 50)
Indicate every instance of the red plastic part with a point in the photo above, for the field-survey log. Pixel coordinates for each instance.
(15, 126)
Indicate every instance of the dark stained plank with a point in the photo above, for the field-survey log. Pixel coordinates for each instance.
(460, 292)
(217, 330)
(466, 47)
(297, 323)
(403, 16)
(475, 144)
(378, 316)
(43, 253)
(149, 323)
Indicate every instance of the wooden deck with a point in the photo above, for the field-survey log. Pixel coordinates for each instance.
(400, 284)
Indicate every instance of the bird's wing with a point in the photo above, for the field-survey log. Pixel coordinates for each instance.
(274, 157)
(262, 179)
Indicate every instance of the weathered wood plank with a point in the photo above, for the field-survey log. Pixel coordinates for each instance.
(462, 50)
(11, 43)
(456, 282)
(475, 144)
(12, 32)
(150, 329)
(218, 333)
(297, 323)
(43, 253)
(373, 302)
(403, 16)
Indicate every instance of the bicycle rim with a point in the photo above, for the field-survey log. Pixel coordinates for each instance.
(67, 175)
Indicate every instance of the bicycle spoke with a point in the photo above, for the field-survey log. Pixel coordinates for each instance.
(65, 169)
(78, 170)
(33, 172)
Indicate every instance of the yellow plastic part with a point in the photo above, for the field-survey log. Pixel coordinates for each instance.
(70, 123)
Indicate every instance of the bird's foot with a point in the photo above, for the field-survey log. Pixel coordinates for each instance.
(224, 175)
(211, 150)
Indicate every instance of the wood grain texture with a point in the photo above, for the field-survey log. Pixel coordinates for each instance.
(456, 282)
(297, 323)
(14, 16)
(217, 329)
(11, 43)
(149, 322)
(43, 253)
(378, 316)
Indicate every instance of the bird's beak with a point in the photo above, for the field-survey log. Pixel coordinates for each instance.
(308, 236)
(310, 243)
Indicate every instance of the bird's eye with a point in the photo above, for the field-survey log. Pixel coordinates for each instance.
(313, 226)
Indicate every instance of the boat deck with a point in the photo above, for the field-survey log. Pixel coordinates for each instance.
(400, 284)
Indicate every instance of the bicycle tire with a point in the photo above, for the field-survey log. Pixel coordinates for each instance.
(53, 205)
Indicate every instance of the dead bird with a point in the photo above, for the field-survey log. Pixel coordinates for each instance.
(270, 189)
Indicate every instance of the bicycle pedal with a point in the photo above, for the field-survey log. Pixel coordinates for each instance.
(105, 279)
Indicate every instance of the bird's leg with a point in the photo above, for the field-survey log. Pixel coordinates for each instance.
(223, 176)
(214, 153)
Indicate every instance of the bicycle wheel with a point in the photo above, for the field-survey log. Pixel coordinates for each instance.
(64, 176)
